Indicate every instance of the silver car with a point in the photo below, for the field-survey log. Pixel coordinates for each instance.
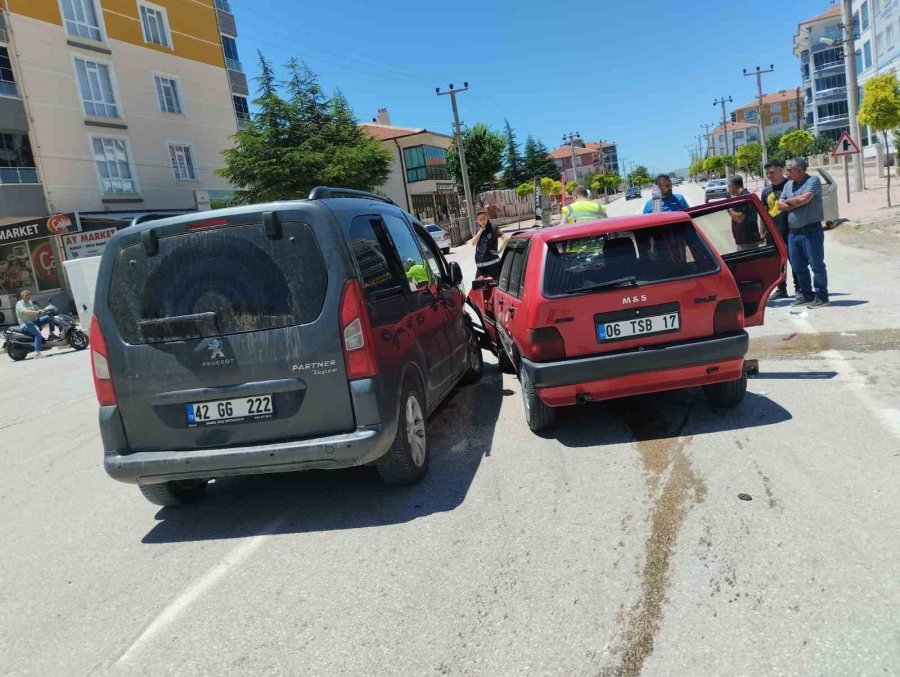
(717, 189)
(440, 236)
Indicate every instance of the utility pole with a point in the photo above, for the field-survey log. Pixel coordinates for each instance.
(570, 139)
(852, 89)
(460, 146)
(800, 113)
(762, 123)
(709, 144)
(722, 101)
(699, 145)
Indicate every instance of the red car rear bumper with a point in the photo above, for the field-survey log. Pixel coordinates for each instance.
(636, 372)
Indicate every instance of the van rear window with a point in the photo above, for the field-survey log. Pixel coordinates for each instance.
(635, 257)
(218, 282)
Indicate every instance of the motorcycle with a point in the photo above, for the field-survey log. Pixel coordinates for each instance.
(18, 343)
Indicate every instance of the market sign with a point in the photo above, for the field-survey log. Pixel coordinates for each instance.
(58, 224)
(86, 244)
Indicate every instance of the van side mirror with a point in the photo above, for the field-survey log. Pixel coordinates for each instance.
(456, 276)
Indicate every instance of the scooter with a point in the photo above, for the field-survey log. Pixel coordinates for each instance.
(18, 343)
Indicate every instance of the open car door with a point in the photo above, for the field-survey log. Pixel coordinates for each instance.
(744, 234)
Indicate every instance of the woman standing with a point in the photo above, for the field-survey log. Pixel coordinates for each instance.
(488, 244)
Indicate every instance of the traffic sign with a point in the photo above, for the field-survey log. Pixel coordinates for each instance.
(845, 146)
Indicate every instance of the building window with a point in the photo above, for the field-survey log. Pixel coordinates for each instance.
(16, 159)
(232, 61)
(827, 58)
(867, 52)
(775, 107)
(792, 104)
(96, 89)
(751, 114)
(7, 80)
(167, 94)
(739, 134)
(241, 109)
(155, 24)
(865, 15)
(81, 21)
(831, 82)
(113, 164)
(835, 109)
(889, 34)
(182, 162)
(776, 119)
(425, 163)
(793, 117)
(879, 43)
(721, 138)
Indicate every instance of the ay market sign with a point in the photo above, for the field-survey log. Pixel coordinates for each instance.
(58, 224)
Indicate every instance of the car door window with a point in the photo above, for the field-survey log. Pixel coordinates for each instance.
(506, 268)
(368, 245)
(517, 272)
(734, 228)
(433, 265)
(411, 259)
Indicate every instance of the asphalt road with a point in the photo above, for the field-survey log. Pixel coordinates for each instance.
(618, 545)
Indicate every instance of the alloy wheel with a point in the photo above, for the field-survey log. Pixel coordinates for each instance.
(415, 430)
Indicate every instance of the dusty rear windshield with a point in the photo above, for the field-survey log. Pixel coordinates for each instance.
(634, 257)
(217, 282)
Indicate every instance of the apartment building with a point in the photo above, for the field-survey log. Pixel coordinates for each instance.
(586, 157)
(781, 112)
(822, 69)
(419, 182)
(108, 108)
(722, 141)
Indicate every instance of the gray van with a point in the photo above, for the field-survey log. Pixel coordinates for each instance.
(316, 333)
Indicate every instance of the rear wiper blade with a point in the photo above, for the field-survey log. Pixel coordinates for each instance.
(630, 281)
(179, 326)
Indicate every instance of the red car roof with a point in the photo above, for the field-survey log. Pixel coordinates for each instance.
(611, 225)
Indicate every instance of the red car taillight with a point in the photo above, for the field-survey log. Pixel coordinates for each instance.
(546, 344)
(359, 350)
(729, 317)
(106, 392)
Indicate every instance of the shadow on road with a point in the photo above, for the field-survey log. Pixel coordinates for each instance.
(796, 375)
(461, 431)
(651, 417)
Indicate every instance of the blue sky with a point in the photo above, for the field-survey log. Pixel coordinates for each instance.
(644, 74)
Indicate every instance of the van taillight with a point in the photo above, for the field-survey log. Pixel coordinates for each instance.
(729, 317)
(546, 344)
(359, 349)
(106, 393)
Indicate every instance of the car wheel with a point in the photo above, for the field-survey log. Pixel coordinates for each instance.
(406, 462)
(504, 362)
(446, 250)
(175, 492)
(538, 415)
(476, 359)
(726, 395)
(77, 339)
(17, 354)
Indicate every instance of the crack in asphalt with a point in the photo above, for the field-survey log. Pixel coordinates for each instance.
(662, 449)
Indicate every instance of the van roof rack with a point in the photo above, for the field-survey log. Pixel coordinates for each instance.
(324, 192)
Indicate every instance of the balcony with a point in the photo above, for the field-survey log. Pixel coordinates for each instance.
(828, 65)
(8, 88)
(834, 119)
(14, 175)
(224, 6)
(233, 65)
(831, 93)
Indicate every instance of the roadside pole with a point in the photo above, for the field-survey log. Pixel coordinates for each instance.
(759, 116)
(467, 190)
(847, 176)
(852, 88)
(845, 147)
(723, 101)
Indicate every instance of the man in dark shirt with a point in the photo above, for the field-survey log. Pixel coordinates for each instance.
(770, 196)
(488, 241)
(744, 220)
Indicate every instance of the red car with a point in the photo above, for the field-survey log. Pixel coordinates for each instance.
(632, 305)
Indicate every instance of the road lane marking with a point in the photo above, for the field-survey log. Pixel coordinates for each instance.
(181, 603)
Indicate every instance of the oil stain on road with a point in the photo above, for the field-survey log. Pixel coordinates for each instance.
(663, 450)
(791, 346)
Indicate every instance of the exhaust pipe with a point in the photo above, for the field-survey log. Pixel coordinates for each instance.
(583, 398)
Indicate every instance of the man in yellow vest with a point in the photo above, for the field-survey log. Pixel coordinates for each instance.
(583, 209)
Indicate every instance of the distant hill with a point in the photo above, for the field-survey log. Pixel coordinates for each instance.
(683, 173)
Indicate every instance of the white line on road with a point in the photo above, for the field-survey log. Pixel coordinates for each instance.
(180, 604)
(889, 417)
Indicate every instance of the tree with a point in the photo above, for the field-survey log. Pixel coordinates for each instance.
(606, 182)
(640, 176)
(697, 167)
(296, 143)
(550, 187)
(570, 186)
(484, 157)
(526, 188)
(513, 169)
(749, 159)
(822, 144)
(881, 110)
(715, 164)
(797, 143)
(536, 160)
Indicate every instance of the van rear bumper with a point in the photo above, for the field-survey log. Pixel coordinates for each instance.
(653, 358)
(364, 445)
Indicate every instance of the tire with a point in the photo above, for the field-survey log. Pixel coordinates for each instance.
(446, 250)
(77, 339)
(175, 492)
(406, 462)
(726, 395)
(538, 415)
(16, 354)
(476, 359)
(504, 362)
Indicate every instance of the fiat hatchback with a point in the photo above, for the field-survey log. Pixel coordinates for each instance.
(631, 305)
(319, 333)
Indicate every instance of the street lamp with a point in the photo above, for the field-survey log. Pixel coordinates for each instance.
(570, 139)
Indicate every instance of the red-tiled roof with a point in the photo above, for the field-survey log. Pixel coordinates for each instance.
(733, 126)
(566, 151)
(834, 11)
(777, 97)
(388, 132)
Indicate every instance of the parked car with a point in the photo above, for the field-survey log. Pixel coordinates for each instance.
(440, 236)
(628, 306)
(717, 189)
(318, 333)
(633, 192)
